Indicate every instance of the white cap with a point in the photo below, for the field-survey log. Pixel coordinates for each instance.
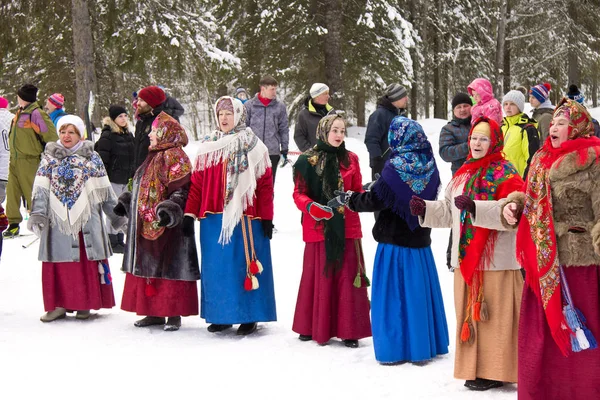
(318, 89)
(515, 96)
(74, 120)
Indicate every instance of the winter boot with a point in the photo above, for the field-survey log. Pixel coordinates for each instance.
(351, 343)
(12, 231)
(246, 329)
(50, 316)
(149, 321)
(121, 239)
(305, 338)
(480, 384)
(212, 328)
(173, 324)
(114, 243)
(83, 314)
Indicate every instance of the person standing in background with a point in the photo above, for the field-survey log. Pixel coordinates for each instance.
(55, 107)
(6, 118)
(316, 106)
(542, 108)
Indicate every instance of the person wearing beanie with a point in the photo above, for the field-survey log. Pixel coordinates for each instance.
(542, 108)
(575, 94)
(485, 104)
(241, 95)
(6, 118)
(453, 143)
(521, 137)
(267, 117)
(487, 281)
(55, 107)
(67, 218)
(116, 149)
(316, 106)
(390, 105)
(151, 101)
(31, 129)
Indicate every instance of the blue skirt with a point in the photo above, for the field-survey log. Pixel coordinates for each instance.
(223, 299)
(407, 309)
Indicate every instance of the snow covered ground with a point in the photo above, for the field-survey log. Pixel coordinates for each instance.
(107, 357)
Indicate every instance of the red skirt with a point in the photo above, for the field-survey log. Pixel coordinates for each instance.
(75, 285)
(165, 298)
(544, 373)
(330, 306)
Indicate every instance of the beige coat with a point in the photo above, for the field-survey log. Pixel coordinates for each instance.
(444, 214)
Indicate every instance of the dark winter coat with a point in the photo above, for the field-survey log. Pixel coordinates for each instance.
(389, 227)
(376, 137)
(142, 130)
(454, 142)
(305, 132)
(116, 149)
(269, 123)
(543, 116)
(173, 107)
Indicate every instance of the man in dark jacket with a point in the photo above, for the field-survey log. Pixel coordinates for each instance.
(454, 146)
(390, 105)
(268, 119)
(315, 107)
(151, 102)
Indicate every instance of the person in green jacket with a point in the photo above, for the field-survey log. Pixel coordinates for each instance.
(30, 130)
(521, 138)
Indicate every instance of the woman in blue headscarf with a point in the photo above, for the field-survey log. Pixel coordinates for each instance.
(407, 310)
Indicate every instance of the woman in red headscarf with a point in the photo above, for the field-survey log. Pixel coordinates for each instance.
(487, 282)
(558, 244)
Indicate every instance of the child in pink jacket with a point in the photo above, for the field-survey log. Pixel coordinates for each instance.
(486, 104)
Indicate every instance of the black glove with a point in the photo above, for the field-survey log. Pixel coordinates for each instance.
(375, 161)
(120, 210)
(267, 228)
(188, 226)
(164, 217)
(340, 200)
(284, 154)
(368, 186)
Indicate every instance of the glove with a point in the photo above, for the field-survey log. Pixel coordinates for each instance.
(319, 211)
(267, 225)
(120, 210)
(368, 186)
(375, 161)
(284, 154)
(340, 200)
(417, 206)
(164, 217)
(188, 226)
(36, 223)
(463, 202)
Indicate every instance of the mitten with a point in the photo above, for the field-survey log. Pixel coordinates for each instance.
(164, 218)
(267, 226)
(340, 200)
(120, 210)
(319, 211)
(375, 161)
(464, 202)
(417, 206)
(187, 226)
(368, 186)
(284, 154)
(123, 205)
(36, 223)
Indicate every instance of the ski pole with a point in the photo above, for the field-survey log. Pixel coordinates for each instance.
(30, 243)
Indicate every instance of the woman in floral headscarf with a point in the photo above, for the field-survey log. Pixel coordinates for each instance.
(160, 261)
(558, 244)
(232, 194)
(332, 299)
(409, 322)
(487, 281)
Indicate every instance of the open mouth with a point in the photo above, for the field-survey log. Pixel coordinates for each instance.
(553, 137)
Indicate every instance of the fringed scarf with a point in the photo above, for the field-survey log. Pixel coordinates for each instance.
(536, 236)
(166, 168)
(410, 171)
(491, 177)
(75, 181)
(246, 159)
(319, 169)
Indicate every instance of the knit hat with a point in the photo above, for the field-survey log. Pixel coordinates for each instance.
(153, 95)
(573, 94)
(72, 120)
(57, 99)
(28, 93)
(483, 128)
(240, 90)
(115, 110)
(318, 89)
(515, 96)
(395, 92)
(3, 102)
(541, 92)
(461, 98)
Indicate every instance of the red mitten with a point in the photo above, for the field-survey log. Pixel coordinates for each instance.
(319, 211)
(417, 206)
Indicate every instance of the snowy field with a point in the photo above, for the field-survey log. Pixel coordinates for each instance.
(107, 357)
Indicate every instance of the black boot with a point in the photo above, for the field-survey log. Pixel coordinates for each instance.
(480, 384)
(12, 231)
(246, 329)
(305, 338)
(351, 343)
(173, 324)
(114, 243)
(212, 328)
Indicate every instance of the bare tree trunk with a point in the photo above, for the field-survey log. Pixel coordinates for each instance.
(333, 49)
(595, 72)
(440, 77)
(360, 106)
(500, 43)
(414, 90)
(574, 77)
(426, 73)
(507, 81)
(83, 51)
